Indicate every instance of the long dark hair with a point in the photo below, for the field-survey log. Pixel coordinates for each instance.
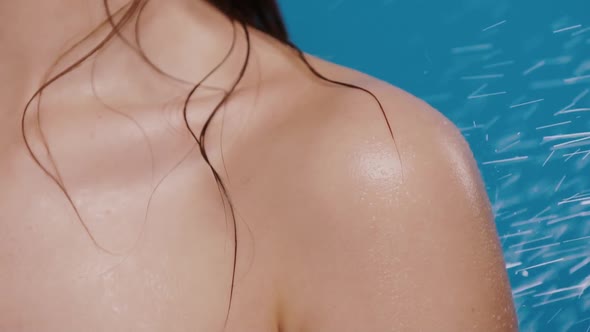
(263, 15)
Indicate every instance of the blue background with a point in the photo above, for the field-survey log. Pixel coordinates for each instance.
(514, 76)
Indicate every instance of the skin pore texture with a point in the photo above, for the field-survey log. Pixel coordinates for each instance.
(332, 235)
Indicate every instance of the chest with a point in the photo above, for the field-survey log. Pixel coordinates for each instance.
(122, 248)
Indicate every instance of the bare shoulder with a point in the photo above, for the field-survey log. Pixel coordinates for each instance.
(378, 232)
(376, 134)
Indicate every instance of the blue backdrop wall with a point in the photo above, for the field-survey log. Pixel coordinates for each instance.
(514, 76)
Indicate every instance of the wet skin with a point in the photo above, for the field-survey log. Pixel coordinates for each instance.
(339, 227)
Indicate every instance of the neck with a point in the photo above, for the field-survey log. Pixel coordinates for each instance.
(34, 33)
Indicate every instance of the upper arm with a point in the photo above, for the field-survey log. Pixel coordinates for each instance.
(371, 251)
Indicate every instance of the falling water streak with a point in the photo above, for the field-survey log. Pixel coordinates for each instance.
(526, 287)
(471, 48)
(487, 95)
(580, 265)
(568, 28)
(572, 200)
(541, 264)
(570, 155)
(516, 234)
(527, 103)
(561, 290)
(574, 101)
(494, 25)
(536, 248)
(576, 79)
(576, 239)
(572, 144)
(555, 315)
(482, 77)
(561, 136)
(512, 265)
(574, 110)
(499, 64)
(575, 153)
(568, 217)
(554, 125)
(508, 146)
(548, 157)
(580, 31)
(534, 67)
(554, 300)
(534, 220)
(508, 160)
(531, 241)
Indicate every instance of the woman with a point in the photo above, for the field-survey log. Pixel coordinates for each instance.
(179, 166)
